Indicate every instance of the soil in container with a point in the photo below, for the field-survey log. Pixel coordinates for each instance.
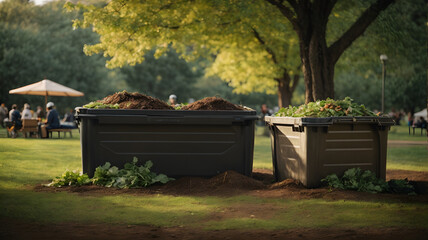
(135, 100)
(212, 103)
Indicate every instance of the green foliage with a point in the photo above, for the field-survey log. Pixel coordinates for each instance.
(70, 178)
(400, 33)
(131, 176)
(326, 108)
(248, 50)
(366, 181)
(100, 105)
(162, 76)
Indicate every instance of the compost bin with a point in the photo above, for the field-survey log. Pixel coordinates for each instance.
(179, 143)
(308, 149)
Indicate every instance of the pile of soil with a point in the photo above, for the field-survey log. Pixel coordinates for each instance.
(212, 103)
(135, 100)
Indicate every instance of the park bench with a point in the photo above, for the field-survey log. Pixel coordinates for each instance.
(59, 130)
(424, 127)
(29, 126)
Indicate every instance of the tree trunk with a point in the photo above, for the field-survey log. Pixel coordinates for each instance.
(317, 66)
(286, 87)
(284, 94)
(309, 20)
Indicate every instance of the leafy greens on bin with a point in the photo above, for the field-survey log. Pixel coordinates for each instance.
(326, 108)
(100, 105)
(131, 176)
(70, 178)
(366, 181)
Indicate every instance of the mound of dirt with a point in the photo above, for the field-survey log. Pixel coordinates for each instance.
(225, 183)
(287, 183)
(212, 103)
(135, 100)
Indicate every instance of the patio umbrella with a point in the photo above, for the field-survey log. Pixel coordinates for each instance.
(46, 88)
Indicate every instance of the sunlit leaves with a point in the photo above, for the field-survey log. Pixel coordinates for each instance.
(221, 30)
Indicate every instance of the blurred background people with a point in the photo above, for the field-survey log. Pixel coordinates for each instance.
(52, 120)
(15, 117)
(3, 114)
(172, 100)
(40, 113)
(26, 112)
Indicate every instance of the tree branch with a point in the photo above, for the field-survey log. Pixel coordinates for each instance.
(286, 11)
(358, 28)
(263, 43)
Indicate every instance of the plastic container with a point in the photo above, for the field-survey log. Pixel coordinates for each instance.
(179, 143)
(309, 149)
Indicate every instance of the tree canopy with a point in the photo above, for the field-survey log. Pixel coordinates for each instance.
(253, 51)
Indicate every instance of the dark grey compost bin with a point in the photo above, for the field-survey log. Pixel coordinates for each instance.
(179, 143)
(309, 149)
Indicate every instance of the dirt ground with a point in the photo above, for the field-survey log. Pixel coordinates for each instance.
(226, 184)
(19, 230)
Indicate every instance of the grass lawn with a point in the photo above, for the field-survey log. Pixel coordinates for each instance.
(402, 133)
(25, 163)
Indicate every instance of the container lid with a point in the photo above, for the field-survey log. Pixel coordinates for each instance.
(311, 121)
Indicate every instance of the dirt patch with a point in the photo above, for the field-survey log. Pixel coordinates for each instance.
(417, 178)
(12, 229)
(135, 100)
(212, 103)
(261, 184)
(223, 185)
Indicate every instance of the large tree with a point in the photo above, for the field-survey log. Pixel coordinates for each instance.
(260, 32)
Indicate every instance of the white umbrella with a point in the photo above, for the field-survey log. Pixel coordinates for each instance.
(47, 88)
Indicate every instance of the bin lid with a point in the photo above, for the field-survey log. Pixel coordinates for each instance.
(311, 121)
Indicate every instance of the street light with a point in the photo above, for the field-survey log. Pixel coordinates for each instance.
(383, 59)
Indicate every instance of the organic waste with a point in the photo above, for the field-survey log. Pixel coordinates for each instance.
(70, 178)
(212, 103)
(366, 181)
(326, 108)
(126, 100)
(131, 176)
(100, 105)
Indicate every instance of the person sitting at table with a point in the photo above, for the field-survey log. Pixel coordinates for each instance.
(26, 113)
(52, 120)
(15, 117)
(69, 120)
(420, 123)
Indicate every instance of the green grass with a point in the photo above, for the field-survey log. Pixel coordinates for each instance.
(318, 213)
(262, 150)
(402, 133)
(25, 163)
(413, 158)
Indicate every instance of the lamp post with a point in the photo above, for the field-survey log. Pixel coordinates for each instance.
(383, 59)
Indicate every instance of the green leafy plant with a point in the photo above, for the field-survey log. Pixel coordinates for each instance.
(131, 176)
(366, 181)
(70, 178)
(326, 108)
(100, 105)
